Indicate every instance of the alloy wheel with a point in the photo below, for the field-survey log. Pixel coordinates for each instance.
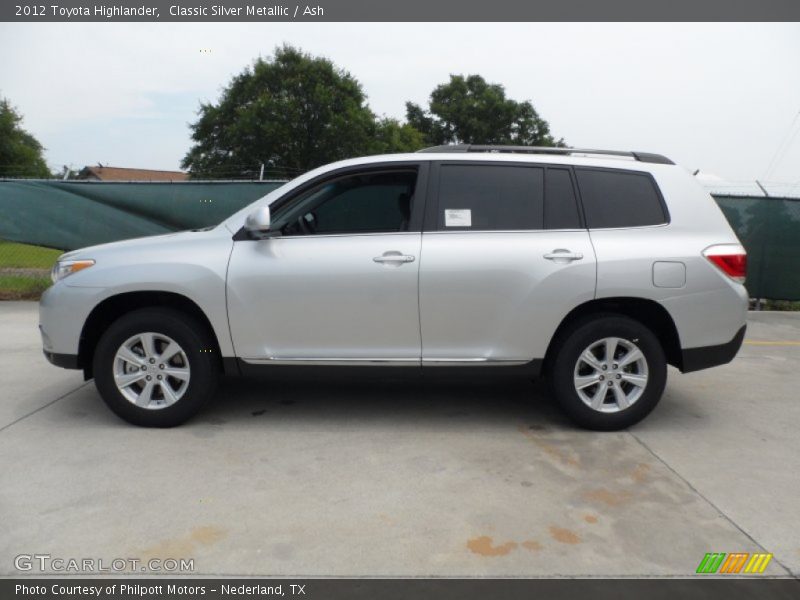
(151, 370)
(610, 375)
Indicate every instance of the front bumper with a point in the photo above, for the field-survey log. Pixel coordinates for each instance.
(65, 361)
(62, 312)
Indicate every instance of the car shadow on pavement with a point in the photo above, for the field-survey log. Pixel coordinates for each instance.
(383, 402)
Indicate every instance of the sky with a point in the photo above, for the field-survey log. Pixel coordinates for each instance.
(722, 98)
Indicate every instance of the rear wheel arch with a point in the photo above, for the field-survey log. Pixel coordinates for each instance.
(114, 307)
(649, 313)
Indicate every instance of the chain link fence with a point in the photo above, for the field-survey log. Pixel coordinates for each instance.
(39, 219)
(769, 229)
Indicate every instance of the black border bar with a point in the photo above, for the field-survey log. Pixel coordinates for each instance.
(398, 11)
(730, 588)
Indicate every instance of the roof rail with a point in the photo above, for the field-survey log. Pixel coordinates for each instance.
(647, 157)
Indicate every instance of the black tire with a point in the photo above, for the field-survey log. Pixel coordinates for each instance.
(580, 336)
(197, 346)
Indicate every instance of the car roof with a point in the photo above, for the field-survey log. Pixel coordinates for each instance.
(648, 157)
(612, 162)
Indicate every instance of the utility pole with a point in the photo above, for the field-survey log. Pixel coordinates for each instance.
(761, 266)
(261, 175)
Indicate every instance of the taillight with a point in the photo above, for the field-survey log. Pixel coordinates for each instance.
(731, 259)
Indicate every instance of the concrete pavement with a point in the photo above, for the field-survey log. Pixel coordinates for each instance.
(282, 478)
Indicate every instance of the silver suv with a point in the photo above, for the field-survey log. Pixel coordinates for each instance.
(596, 268)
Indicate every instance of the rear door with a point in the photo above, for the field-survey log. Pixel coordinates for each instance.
(505, 257)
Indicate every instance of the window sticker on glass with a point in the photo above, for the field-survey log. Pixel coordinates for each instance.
(458, 217)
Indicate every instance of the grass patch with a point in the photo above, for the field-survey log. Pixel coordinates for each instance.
(25, 256)
(781, 305)
(24, 270)
(22, 287)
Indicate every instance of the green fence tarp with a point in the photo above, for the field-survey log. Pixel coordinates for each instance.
(74, 214)
(769, 229)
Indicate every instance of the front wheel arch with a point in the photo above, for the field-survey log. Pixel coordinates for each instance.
(117, 306)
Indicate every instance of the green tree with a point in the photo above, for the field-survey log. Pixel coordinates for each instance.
(20, 152)
(392, 136)
(469, 110)
(292, 113)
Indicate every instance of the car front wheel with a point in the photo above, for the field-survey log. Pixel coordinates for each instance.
(155, 367)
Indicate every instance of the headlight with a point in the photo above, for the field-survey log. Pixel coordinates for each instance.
(63, 268)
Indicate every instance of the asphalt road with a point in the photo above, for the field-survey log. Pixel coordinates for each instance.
(407, 479)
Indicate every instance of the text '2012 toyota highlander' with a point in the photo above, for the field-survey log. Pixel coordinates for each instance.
(594, 268)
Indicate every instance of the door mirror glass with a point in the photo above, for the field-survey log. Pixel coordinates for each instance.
(258, 223)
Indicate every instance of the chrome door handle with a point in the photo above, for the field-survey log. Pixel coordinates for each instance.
(400, 258)
(562, 254)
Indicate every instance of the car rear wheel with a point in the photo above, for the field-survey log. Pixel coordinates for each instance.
(609, 372)
(155, 367)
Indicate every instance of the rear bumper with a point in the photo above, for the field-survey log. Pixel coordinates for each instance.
(696, 359)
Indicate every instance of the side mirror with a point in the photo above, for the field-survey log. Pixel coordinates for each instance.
(257, 223)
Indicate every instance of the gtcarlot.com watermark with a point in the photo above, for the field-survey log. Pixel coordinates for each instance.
(46, 563)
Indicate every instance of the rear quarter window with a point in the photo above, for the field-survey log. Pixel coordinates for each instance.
(619, 199)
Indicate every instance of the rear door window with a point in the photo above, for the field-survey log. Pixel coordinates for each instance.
(560, 203)
(490, 197)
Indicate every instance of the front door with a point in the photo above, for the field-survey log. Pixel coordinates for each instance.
(339, 284)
